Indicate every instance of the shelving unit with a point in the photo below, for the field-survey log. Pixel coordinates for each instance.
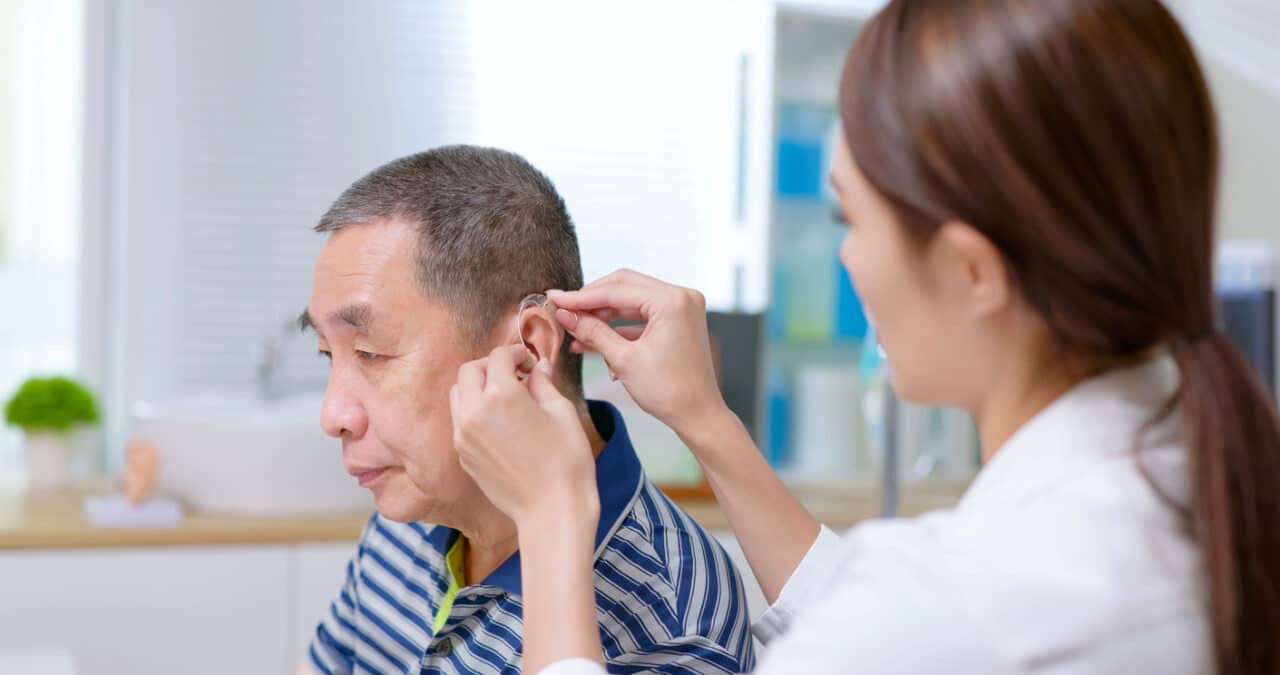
(817, 421)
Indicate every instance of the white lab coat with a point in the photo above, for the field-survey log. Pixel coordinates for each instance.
(1061, 558)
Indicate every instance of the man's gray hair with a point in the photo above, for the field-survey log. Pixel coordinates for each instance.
(491, 229)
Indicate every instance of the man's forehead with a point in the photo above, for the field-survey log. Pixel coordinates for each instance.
(370, 248)
(367, 276)
(362, 272)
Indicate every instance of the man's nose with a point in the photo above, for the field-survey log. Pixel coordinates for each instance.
(342, 414)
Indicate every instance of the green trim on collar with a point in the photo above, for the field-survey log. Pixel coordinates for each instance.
(457, 579)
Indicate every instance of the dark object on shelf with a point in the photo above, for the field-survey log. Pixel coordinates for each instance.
(1249, 319)
(736, 349)
(736, 346)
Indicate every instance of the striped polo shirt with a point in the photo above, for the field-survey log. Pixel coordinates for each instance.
(668, 599)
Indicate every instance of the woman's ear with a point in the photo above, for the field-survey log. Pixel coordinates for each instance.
(541, 332)
(973, 270)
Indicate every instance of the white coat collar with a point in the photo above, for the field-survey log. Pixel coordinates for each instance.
(1091, 422)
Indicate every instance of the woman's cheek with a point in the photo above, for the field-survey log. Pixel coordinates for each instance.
(859, 272)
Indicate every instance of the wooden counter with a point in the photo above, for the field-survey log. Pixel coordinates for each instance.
(842, 505)
(56, 520)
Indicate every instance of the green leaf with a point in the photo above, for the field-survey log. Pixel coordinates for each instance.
(51, 404)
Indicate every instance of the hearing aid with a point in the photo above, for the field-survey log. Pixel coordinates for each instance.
(535, 301)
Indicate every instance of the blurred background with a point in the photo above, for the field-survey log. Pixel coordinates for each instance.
(162, 163)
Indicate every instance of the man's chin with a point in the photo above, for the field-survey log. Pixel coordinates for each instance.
(399, 514)
(400, 504)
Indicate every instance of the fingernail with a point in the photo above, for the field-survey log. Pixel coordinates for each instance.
(553, 291)
(545, 366)
(567, 319)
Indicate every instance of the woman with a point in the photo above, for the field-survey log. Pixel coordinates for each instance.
(1030, 187)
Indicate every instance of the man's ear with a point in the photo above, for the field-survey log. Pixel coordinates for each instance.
(973, 269)
(542, 333)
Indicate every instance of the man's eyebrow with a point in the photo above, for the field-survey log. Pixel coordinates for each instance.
(357, 316)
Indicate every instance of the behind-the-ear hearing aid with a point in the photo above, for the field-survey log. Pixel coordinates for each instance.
(531, 301)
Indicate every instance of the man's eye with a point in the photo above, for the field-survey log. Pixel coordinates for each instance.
(366, 356)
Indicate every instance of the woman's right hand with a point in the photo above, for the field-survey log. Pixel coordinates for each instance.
(665, 364)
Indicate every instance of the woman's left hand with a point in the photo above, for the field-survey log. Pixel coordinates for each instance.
(523, 442)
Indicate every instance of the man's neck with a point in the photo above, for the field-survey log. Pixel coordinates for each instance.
(491, 539)
(593, 435)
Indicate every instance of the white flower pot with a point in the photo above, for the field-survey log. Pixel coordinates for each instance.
(48, 459)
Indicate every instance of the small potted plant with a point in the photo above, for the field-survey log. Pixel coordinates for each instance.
(50, 410)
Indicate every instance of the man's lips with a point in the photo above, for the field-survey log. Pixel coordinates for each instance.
(366, 476)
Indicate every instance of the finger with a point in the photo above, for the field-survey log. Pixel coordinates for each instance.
(569, 321)
(626, 294)
(527, 360)
(627, 275)
(519, 355)
(500, 367)
(616, 299)
(470, 379)
(632, 332)
(595, 334)
(619, 275)
(455, 405)
(456, 414)
(542, 384)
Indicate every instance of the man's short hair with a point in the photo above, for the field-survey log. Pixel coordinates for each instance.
(491, 229)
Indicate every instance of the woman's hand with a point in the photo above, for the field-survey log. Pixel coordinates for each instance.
(523, 442)
(666, 363)
(666, 367)
(526, 449)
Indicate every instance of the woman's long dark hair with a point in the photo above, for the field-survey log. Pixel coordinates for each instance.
(1078, 136)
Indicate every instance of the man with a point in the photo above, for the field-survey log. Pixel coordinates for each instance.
(427, 260)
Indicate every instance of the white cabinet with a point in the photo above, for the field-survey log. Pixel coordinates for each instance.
(195, 610)
(192, 610)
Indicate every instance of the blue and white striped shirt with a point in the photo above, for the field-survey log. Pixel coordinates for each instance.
(668, 599)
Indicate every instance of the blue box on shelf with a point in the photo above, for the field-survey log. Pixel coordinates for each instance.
(802, 151)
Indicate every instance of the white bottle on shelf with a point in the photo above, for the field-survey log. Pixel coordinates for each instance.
(829, 428)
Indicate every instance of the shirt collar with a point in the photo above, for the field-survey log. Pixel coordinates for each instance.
(619, 478)
(1095, 419)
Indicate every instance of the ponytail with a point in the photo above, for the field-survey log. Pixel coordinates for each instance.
(1233, 437)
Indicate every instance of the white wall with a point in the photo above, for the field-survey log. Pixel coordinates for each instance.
(238, 122)
(1249, 122)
